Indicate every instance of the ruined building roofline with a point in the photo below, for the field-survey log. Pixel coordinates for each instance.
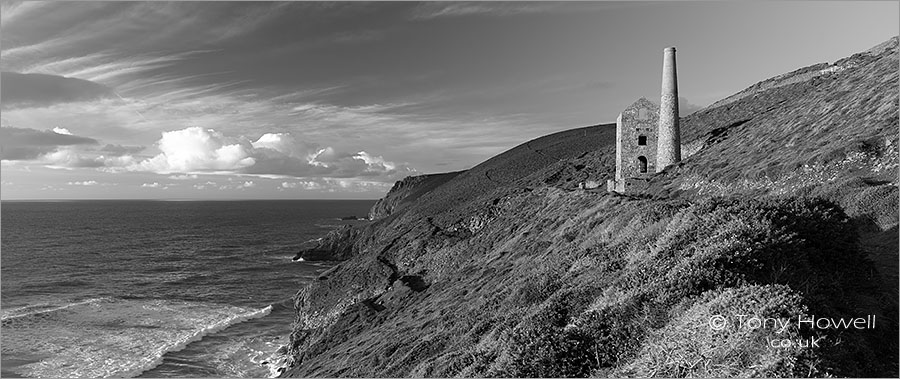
(648, 136)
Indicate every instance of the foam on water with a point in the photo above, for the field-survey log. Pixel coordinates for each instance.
(253, 357)
(110, 337)
(40, 308)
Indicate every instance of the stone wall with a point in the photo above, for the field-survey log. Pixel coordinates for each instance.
(639, 119)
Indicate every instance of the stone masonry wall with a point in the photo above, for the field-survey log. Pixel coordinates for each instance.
(639, 119)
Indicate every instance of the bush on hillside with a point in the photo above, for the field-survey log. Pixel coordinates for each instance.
(689, 346)
(720, 254)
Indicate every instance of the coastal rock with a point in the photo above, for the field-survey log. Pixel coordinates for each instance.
(407, 191)
(337, 245)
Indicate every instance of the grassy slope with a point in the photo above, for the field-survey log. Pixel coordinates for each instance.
(507, 270)
(407, 191)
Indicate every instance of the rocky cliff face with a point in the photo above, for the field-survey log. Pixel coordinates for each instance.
(787, 208)
(337, 245)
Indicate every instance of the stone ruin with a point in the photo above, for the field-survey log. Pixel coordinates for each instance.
(648, 137)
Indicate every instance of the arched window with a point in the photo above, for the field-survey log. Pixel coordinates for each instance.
(642, 162)
(642, 140)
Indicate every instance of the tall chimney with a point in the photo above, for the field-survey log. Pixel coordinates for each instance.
(668, 149)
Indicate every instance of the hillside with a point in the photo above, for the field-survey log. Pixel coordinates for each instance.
(406, 192)
(785, 206)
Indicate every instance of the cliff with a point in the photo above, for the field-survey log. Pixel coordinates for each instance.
(785, 208)
(407, 191)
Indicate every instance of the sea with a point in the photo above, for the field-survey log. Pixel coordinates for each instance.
(155, 288)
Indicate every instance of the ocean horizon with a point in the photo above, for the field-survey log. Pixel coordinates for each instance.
(98, 288)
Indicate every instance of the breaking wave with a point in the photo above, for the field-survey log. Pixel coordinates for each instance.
(109, 337)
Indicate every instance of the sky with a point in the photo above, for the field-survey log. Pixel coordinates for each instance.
(316, 100)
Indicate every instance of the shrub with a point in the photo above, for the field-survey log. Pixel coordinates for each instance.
(689, 347)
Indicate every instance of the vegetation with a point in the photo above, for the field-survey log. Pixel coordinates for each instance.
(787, 206)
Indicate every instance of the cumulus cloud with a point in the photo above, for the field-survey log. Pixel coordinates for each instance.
(84, 183)
(237, 186)
(375, 163)
(202, 186)
(70, 158)
(285, 144)
(302, 184)
(185, 153)
(194, 150)
(197, 149)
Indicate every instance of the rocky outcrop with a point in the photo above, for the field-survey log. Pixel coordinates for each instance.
(337, 245)
(340, 244)
(407, 191)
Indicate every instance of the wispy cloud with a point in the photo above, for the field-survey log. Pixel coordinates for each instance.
(430, 10)
(39, 90)
(101, 41)
(22, 143)
(176, 119)
(16, 10)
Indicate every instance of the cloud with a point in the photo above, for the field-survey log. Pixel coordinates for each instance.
(122, 150)
(27, 144)
(71, 158)
(59, 148)
(375, 164)
(42, 32)
(191, 151)
(284, 143)
(335, 185)
(430, 10)
(231, 186)
(198, 150)
(84, 183)
(443, 9)
(308, 185)
(40, 90)
(202, 186)
(182, 177)
(151, 185)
